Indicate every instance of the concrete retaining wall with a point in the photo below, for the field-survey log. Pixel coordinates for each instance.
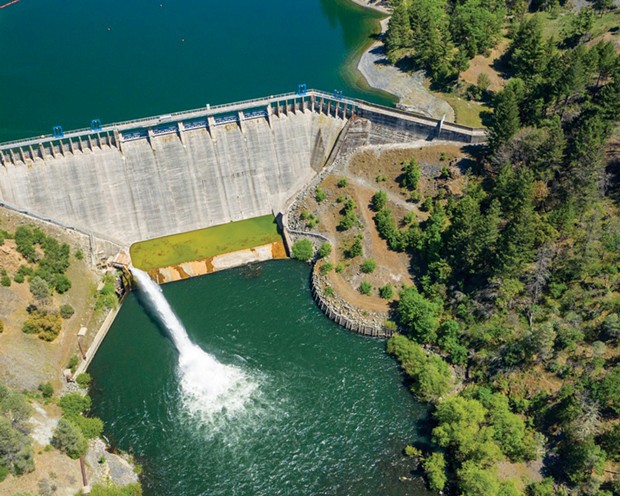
(332, 313)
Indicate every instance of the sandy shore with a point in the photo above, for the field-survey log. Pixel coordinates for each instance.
(407, 87)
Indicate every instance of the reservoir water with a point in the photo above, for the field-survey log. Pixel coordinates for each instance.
(66, 62)
(325, 411)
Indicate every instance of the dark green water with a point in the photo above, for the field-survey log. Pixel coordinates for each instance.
(69, 61)
(329, 416)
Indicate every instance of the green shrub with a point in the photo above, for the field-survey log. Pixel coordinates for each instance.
(73, 362)
(106, 297)
(328, 292)
(91, 427)
(326, 268)
(381, 178)
(411, 174)
(368, 266)
(74, 404)
(112, 490)
(19, 278)
(356, 249)
(303, 250)
(69, 439)
(339, 268)
(319, 194)
(365, 288)
(40, 288)
(379, 200)
(66, 311)
(46, 324)
(427, 205)
(445, 173)
(342, 183)
(325, 250)
(5, 280)
(349, 218)
(340, 199)
(386, 292)
(46, 389)
(61, 283)
(1, 327)
(83, 379)
(79, 254)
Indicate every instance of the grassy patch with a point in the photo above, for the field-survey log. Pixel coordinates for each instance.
(204, 243)
(556, 27)
(466, 112)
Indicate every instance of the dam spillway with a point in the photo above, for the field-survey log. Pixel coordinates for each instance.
(147, 178)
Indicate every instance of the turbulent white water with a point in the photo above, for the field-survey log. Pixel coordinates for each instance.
(208, 388)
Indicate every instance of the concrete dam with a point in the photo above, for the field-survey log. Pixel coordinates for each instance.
(147, 178)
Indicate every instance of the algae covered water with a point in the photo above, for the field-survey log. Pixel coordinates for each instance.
(326, 412)
(66, 62)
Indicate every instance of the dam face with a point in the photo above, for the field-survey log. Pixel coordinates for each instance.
(144, 179)
(163, 185)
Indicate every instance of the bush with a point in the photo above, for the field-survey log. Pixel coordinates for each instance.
(112, 490)
(61, 283)
(427, 205)
(328, 292)
(342, 183)
(66, 311)
(349, 218)
(73, 362)
(368, 266)
(84, 379)
(386, 292)
(39, 288)
(91, 427)
(46, 389)
(340, 199)
(356, 249)
(303, 250)
(106, 297)
(325, 250)
(1, 327)
(46, 324)
(15, 450)
(79, 254)
(326, 268)
(19, 278)
(69, 439)
(365, 288)
(5, 280)
(339, 268)
(381, 178)
(379, 199)
(319, 194)
(74, 404)
(411, 174)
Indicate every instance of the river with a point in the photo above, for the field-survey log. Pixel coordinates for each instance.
(325, 412)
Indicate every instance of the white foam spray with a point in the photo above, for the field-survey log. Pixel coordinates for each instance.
(209, 389)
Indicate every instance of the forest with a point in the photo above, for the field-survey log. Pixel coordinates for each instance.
(511, 330)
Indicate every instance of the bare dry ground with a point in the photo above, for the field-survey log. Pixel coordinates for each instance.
(361, 174)
(25, 360)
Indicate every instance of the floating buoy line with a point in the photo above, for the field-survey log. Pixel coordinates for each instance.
(9, 3)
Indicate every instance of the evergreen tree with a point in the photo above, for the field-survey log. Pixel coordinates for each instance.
(506, 115)
(528, 54)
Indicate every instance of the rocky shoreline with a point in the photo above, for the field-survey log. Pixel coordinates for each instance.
(409, 88)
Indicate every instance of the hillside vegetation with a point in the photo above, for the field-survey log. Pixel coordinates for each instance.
(511, 329)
